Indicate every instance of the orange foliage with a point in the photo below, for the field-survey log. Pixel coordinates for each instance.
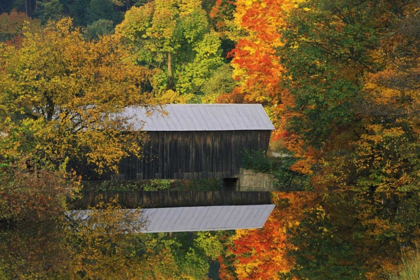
(256, 63)
(234, 97)
(262, 253)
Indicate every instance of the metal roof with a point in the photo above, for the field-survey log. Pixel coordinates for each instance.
(202, 218)
(200, 117)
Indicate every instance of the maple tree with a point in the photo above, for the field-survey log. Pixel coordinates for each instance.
(255, 28)
(59, 93)
(255, 60)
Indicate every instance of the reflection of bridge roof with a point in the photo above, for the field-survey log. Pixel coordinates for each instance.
(200, 117)
(202, 218)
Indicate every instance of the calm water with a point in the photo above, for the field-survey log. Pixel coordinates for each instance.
(345, 235)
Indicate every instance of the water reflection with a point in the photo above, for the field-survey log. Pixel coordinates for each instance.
(343, 235)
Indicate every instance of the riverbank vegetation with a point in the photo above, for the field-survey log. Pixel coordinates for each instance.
(339, 79)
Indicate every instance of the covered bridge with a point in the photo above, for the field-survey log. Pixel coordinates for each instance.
(195, 141)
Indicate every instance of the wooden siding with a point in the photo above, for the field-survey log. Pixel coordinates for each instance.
(193, 155)
(187, 155)
(162, 199)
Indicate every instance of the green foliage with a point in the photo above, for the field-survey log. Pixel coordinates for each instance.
(175, 38)
(210, 244)
(220, 82)
(322, 254)
(193, 265)
(196, 251)
(286, 179)
(102, 9)
(99, 28)
(325, 52)
(47, 10)
(198, 185)
(156, 185)
(79, 12)
(150, 185)
(257, 161)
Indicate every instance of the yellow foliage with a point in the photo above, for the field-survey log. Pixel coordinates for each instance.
(66, 89)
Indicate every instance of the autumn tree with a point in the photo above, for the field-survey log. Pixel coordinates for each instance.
(107, 244)
(60, 93)
(222, 15)
(175, 39)
(334, 55)
(11, 27)
(350, 122)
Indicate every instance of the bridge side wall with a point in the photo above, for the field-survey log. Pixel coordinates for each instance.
(193, 155)
(185, 155)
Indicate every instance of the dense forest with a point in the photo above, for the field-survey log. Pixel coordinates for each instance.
(339, 79)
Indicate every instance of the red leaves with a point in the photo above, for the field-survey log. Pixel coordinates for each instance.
(11, 27)
(262, 253)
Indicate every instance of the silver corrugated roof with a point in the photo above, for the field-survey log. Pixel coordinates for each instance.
(202, 218)
(200, 117)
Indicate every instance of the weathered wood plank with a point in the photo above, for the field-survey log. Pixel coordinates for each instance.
(186, 155)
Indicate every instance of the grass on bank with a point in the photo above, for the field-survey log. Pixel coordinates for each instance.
(410, 269)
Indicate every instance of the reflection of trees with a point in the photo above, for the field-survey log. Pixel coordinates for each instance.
(97, 249)
(38, 241)
(335, 235)
(353, 235)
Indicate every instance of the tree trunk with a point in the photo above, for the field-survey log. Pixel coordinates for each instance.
(170, 74)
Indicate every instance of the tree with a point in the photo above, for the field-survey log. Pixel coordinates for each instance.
(256, 30)
(64, 247)
(48, 10)
(173, 38)
(256, 63)
(11, 27)
(99, 28)
(222, 15)
(335, 53)
(102, 9)
(59, 93)
(78, 11)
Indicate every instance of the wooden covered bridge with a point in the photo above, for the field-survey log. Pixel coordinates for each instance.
(191, 141)
(194, 141)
